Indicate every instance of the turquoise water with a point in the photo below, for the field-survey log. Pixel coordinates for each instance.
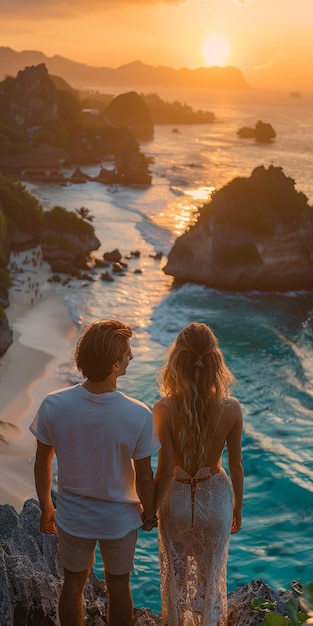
(267, 339)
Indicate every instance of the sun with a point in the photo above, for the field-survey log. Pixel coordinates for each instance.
(216, 50)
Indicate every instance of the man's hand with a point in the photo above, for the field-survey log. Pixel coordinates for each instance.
(149, 524)
(47, 523)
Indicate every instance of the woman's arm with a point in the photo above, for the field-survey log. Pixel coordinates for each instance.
(235, 463)
(165, 467)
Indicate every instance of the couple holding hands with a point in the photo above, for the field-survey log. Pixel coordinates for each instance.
(103, 441)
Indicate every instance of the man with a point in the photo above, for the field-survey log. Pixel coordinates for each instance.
(103, 441)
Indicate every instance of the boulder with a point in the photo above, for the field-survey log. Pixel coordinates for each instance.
(107, 277)
(255, 234)
(64, 266)
(113, 256)
(240, 612)
(262, 132)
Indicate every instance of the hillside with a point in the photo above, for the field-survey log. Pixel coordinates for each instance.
(132, 74)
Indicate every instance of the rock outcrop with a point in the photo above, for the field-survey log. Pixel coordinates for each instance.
(34, 99)
(130, 110)
(31, 578)
(256, 233)
(262, 132)
(66, 238)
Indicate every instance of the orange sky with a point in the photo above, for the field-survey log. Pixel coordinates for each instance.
(269, 40)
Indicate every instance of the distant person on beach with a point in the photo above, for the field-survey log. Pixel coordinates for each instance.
(103, 441)
(198, 506)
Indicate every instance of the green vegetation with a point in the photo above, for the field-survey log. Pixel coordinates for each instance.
(61, 242)
(62, 221)
(5, 281)
(302, 614)
(258, 203)
(163, 112)
(4, 249)
(19, 207)
(94, 100)
(13, 138)
(84, 214)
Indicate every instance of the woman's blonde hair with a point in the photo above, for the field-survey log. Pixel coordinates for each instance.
(197, 380)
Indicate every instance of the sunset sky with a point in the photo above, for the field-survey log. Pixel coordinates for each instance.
(270, 41)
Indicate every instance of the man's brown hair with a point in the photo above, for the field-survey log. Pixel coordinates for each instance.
(102, 344)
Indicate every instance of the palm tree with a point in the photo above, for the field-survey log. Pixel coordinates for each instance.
(84, 214)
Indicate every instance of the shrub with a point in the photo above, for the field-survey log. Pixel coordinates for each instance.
(295, 614)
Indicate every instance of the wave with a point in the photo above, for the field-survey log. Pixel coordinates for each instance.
(160, 238)
(290, 463)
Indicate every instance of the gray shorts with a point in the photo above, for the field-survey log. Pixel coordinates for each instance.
(77, 553)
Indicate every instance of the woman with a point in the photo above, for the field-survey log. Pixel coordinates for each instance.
(198, 507)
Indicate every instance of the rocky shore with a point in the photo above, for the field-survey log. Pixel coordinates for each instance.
(31, 579)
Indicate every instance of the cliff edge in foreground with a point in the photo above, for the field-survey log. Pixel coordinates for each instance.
(31, 579)
(256, 233)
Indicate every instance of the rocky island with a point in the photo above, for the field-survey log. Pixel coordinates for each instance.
(256, 233)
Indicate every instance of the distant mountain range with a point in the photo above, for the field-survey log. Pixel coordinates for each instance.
(132, 75)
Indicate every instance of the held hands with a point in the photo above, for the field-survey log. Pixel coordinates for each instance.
(47, 523)
(149, 524)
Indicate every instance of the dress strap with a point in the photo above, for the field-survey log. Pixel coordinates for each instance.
(192, 481)
(216, 425)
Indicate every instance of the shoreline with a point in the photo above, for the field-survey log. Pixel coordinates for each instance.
(43, 335)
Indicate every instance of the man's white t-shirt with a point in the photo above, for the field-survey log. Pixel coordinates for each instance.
(96, 437)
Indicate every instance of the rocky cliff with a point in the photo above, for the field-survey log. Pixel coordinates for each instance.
(256, 233)
(46, 127)
(31, 579)
(32, 96)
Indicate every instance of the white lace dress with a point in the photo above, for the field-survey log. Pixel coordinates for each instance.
(195, 520)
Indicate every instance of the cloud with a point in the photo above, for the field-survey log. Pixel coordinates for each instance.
(68, 8)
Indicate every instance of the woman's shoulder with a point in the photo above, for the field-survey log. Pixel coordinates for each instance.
(163, 403)
(231, 403)
(232, 408)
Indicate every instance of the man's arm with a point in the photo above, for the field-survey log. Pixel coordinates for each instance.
(43, 482)
(145, 490)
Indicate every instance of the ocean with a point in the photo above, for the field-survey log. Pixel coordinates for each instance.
(267, 338)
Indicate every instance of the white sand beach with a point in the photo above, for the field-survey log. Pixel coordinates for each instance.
(43, 338)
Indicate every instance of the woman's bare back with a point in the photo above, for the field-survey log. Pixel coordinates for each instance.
(221, 424)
